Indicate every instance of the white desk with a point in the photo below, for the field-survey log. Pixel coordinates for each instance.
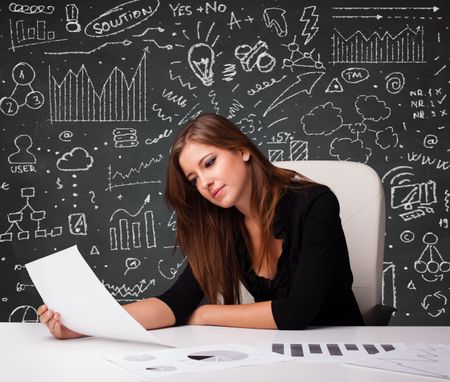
(28, 353)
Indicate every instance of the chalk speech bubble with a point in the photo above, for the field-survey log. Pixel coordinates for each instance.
(121, 17)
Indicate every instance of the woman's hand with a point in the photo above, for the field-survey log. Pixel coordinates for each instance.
(52, 321)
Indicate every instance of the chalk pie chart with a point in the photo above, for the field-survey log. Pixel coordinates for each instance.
(217, 356)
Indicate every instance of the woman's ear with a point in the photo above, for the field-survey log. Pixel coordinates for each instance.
(245, 154)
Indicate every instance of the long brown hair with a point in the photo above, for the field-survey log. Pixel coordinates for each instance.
(205, 232)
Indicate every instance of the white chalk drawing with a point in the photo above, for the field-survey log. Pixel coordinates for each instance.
(405, 47)
(94, 251)
(229, 72)
(72, 22)
(386, 138)
(255, 56)
(183, 84)
(304, 84)
(20, 287)
(371, 108)
(121, 17)
(428, 103)
(59, 184)
(248, 124)
(23, 75)
(66, 136)
(28, 216)
(133, 230)
(310, 19)
(160, 114)
(430, 141)
(388, 285)
(334, 86)
(94, 50)
(274, 19)
(173, 271)
(447, 200)
(31, 9)
(301, 59)
(172, 223)
(283, 146)
(395, 82)
(265, 85)
(24, 313)
(350, 149)
(78, 224)
(414, 198)
(202, 57)
(426, 160)
(167, 133)
(313, 122)
(440, 70)
(77, 159)
(411, 285)
(129, 178)
(172, 97)
(191, 114)
(129, 293)
(215, 104)
(159, 46)
(431, 264)
(125, 137)
(74, 98)
(355, 75)
(434, 304)
(30, 32)
(159, 29)
(131, 263)
(92, 193)
(22, 160)
(443, 223)
(234, 108)
(407, 236)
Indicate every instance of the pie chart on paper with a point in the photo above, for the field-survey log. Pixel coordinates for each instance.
(217, 356)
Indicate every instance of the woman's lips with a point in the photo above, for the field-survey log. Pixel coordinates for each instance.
(216, 192)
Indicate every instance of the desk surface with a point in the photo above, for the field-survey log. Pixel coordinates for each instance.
(29, 353)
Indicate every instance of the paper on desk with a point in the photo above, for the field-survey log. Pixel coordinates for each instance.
(420, 359)
(68, 285)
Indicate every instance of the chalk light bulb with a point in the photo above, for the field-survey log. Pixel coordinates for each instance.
(201, 59)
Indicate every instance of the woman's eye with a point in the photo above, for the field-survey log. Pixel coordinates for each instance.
(210, 162)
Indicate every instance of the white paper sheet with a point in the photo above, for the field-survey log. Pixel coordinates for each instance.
(193, 359)
(420, 359)
(68, 285)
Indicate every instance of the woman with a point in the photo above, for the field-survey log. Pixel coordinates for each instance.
(241, 219)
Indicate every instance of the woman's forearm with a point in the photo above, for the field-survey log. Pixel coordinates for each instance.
(151, 313)
(258, 315)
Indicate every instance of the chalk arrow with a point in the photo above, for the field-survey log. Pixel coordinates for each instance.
(274, 17)
(304, 84)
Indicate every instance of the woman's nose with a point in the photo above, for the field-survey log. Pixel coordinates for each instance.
(205, 182)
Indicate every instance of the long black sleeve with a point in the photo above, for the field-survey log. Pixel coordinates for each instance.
(183, 297)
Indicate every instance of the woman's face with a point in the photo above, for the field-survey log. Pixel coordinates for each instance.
(221, 176)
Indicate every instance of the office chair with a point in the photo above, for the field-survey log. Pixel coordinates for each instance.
(362, 211)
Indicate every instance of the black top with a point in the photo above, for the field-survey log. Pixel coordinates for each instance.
(313, 282)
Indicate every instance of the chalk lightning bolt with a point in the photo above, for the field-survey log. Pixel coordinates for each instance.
(310, 19)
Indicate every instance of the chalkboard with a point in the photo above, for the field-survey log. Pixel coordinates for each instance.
(93, 93)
